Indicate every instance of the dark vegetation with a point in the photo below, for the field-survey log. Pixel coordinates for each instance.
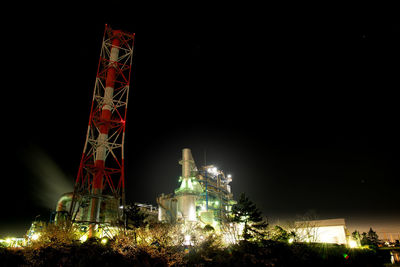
(268, 253)
(370, 238)
(157, 244)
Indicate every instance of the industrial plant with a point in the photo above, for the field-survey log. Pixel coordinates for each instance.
(96, 208)
(97, 204)
(204, 195)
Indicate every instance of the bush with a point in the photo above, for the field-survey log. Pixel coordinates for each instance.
(161, 245)
(155, 246)
(11, 257)
(275, 253)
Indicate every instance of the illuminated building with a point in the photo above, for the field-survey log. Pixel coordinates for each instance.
(332, 231)
(204, 195)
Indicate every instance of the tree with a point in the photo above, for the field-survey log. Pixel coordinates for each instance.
(356, 236)
(245, 212)
(371, 238)
(304, 228)
(280, 234)
(230, 229)
(135, 218)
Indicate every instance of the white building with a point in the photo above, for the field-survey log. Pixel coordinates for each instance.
(323, 231)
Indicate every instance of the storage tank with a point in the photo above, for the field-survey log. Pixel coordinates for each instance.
(63, 207)
(167, 208)
(109, 208)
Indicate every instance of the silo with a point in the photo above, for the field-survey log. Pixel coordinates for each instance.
(63, 206)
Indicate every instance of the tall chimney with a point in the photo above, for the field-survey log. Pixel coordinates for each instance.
(187, 159)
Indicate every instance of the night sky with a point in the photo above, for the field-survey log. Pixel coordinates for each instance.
(298, 103)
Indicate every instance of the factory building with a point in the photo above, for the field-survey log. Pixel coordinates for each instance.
(204, 195)
(332, 231)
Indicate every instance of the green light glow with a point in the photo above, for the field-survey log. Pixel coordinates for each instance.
(189, 185)
(183, 185)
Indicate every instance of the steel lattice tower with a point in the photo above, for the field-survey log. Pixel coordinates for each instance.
(99, 190)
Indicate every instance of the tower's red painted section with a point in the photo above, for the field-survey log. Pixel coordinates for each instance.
(101, 171)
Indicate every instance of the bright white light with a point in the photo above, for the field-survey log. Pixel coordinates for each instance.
(229, 176)
(35, 236)
(121, 207)
(352, 244)
(323, 234)
(187, 240)
(192, 213)
(83, 238)
(213, 170)
(290, 240)
(324, 238)
(104, 241)
(228, 239)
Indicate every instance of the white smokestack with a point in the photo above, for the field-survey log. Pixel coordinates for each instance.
(187, 159)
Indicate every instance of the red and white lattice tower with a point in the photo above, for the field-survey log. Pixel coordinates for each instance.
(99, 188)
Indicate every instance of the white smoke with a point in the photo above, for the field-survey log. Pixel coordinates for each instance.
(50, 181)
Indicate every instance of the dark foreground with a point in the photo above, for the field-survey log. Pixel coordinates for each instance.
(93, 253)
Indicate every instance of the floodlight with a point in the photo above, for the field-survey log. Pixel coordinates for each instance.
(352, 244)
(35, 236)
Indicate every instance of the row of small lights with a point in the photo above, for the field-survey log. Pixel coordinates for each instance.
(84, 238)
(36, 237)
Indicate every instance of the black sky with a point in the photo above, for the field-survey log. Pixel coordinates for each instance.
(298, 103)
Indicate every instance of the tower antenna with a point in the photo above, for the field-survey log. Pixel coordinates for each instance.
(99, 189)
